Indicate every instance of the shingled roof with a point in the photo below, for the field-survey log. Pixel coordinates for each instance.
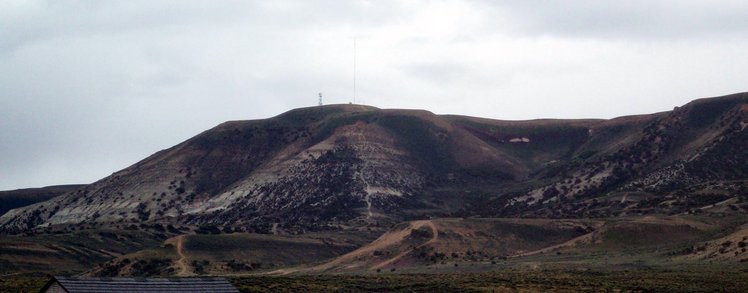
(139, 285)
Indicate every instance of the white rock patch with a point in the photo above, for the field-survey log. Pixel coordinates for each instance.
(519, 139)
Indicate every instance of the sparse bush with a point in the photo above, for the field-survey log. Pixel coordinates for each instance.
(208, 229)
(200, 266)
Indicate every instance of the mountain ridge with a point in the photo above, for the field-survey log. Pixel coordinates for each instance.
(10, 199)
(351, 165)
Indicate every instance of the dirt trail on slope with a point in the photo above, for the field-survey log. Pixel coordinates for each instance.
(597, 226)
(184, 268)
(414, 225)
(367, 198)
(586, 238)
(367, 187)
(356, 258)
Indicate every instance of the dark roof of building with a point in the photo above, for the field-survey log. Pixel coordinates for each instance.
(143, 285)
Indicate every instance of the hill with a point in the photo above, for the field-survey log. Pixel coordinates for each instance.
(12, 199)
(318, 168)
(353, 189)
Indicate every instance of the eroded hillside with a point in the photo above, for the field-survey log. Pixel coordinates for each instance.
(323, 168)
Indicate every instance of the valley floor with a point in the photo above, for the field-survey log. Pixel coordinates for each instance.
(681, 253)
(554, 280)
(510, 281)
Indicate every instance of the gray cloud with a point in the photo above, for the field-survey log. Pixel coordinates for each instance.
(638, 19)
(90, 87)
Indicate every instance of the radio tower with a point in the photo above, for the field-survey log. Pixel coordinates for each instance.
(320, 99)
(354, 70)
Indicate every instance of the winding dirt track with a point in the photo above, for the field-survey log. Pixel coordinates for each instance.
(356, 258)
(184, 268)
(574, 242)
(367, 187)
(413, 226)
(586, 238)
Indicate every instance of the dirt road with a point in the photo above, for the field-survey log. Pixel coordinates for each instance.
(354, 259)
(182, 265)
(413, 226)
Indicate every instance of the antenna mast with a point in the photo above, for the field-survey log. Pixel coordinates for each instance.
(354, 70)
(320, 99)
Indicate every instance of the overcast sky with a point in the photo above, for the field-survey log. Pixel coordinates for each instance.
(90, 87)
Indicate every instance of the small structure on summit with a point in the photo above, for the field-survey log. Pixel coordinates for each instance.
(139, 285)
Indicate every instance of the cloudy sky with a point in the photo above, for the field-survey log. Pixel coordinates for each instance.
(90, 87)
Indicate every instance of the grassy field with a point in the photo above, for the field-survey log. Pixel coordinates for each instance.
(510, 281)
(17, 283)
(71, 252)
(243, 253)
(633, 254)
(658, 280)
